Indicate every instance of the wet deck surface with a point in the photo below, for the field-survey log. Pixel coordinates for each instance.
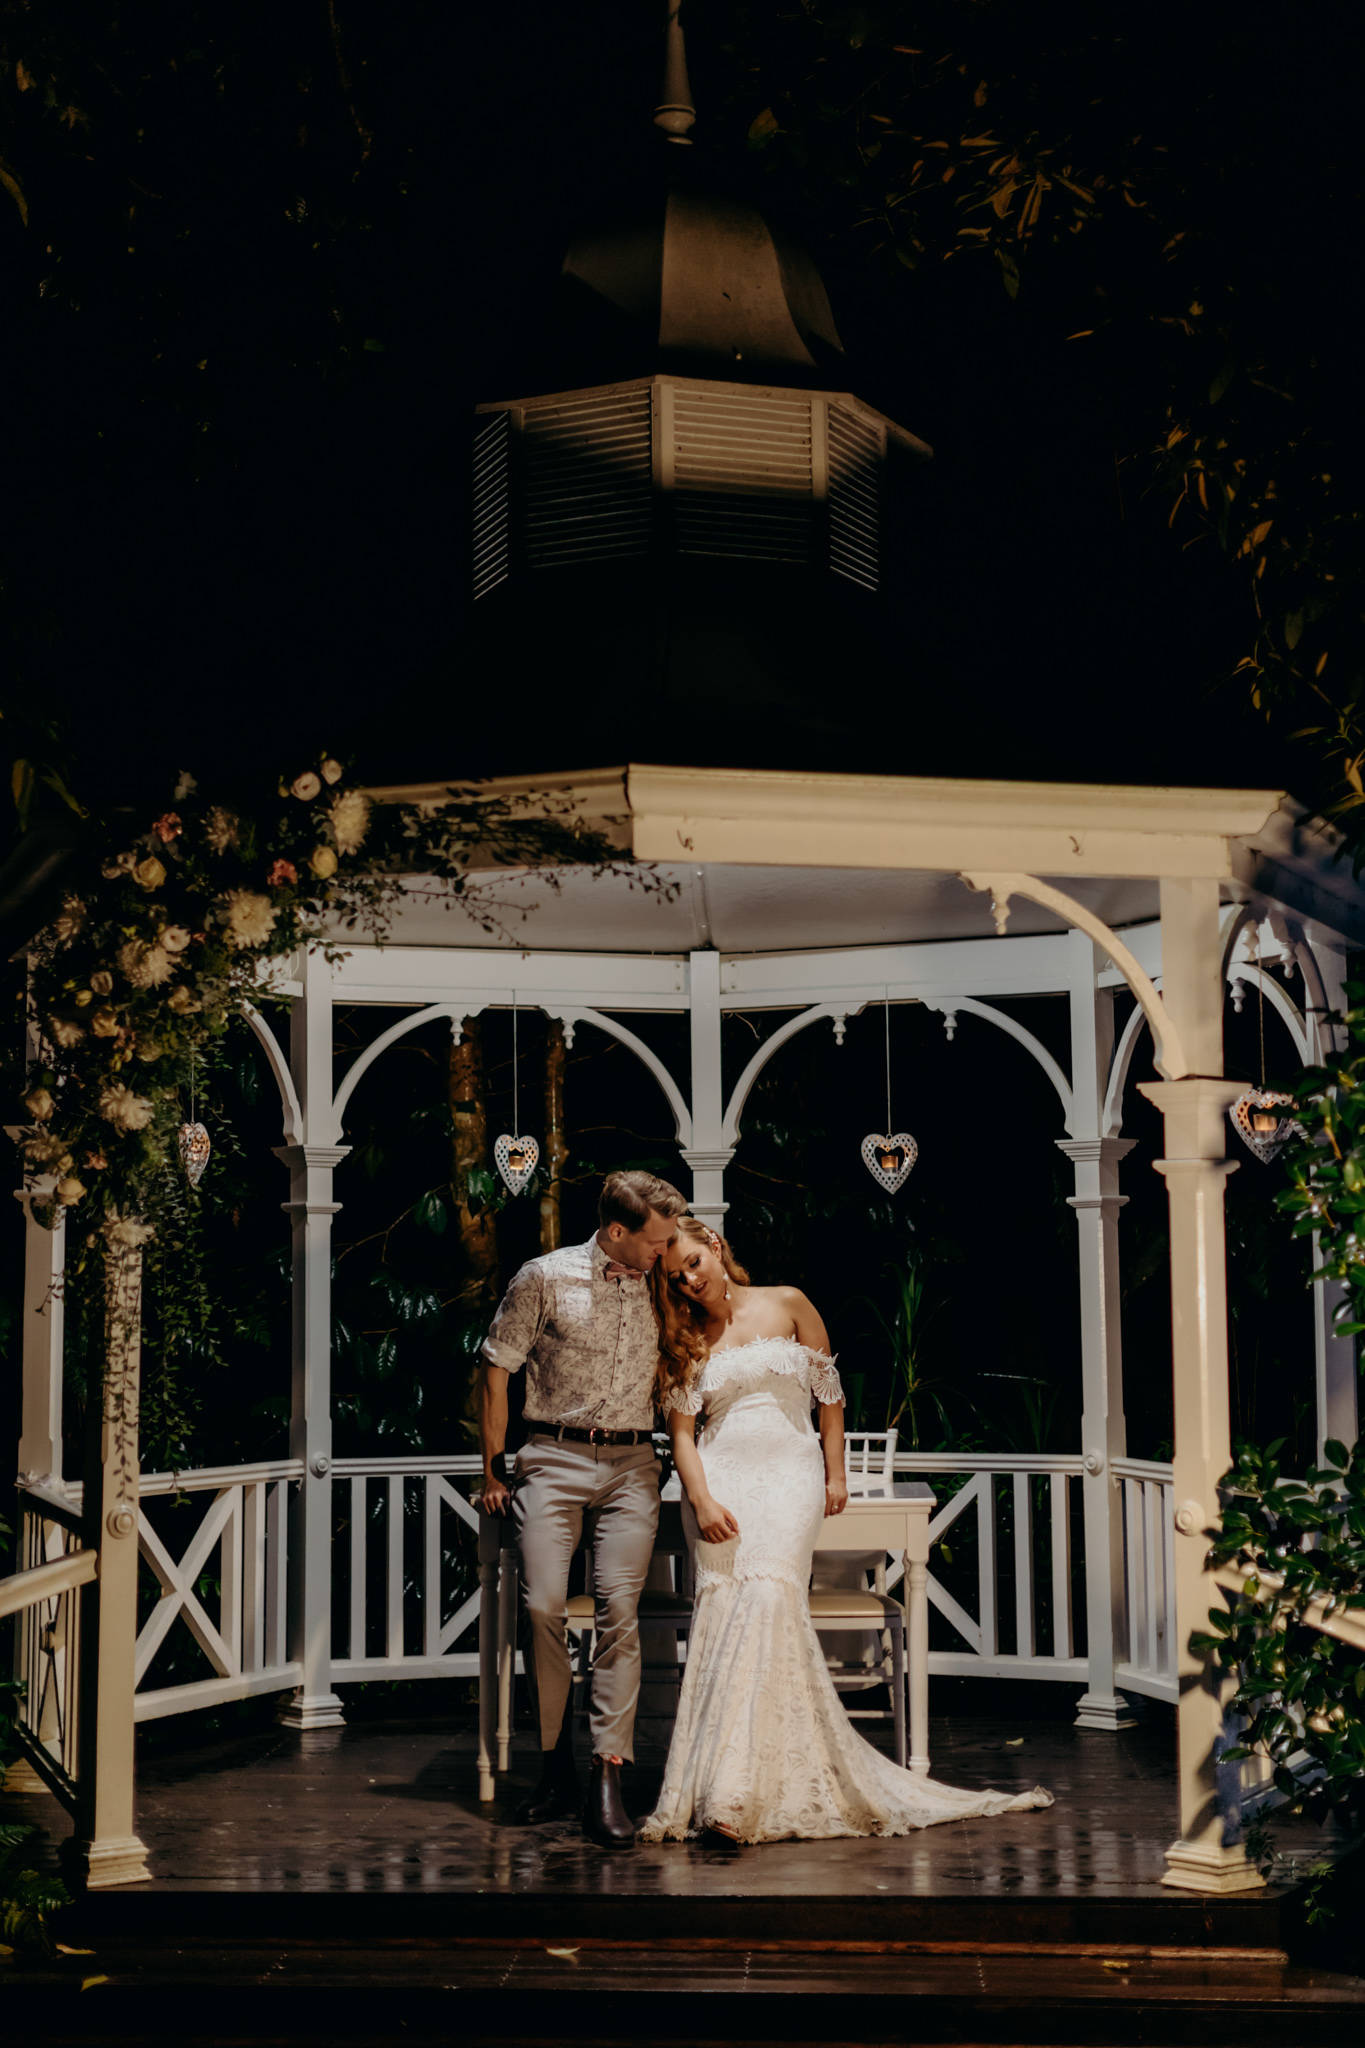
(349, 1887)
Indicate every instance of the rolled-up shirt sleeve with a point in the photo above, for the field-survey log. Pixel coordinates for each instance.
(518, 1321)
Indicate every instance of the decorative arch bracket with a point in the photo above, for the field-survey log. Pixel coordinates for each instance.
(1171, 1062)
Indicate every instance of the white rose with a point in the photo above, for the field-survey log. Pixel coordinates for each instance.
(330, 770)
(69, 1190)
(124, 1110)
(146, 966)
(306, 786)
(127, 1232)
(350, 815)
(175, 938)
(250, 918)
(39, 1104)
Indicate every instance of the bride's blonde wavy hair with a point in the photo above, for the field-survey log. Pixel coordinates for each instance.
(681, 1320)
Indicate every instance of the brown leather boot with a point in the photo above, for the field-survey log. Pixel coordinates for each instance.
(557, 1795)
(605, 1820)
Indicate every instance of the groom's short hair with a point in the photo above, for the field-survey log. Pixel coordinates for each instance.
(627, 1199)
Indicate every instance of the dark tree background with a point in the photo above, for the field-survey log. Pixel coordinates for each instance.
(259, 263)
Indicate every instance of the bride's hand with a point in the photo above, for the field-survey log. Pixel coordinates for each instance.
(715, 1524)
(836, 1495)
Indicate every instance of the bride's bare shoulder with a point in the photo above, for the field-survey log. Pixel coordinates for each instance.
(787, 1306)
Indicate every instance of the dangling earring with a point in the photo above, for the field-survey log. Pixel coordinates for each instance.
(714, 1242)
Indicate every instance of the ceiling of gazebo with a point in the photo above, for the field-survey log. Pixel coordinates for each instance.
(785, 861)
(736, 909)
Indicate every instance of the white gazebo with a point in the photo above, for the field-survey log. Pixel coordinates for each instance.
(807, 896)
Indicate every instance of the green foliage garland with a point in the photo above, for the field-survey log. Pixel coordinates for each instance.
(171, 923)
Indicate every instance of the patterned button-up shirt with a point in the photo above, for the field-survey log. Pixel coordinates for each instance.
(590, 1344)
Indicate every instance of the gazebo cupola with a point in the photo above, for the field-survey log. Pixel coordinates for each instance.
(709, 494)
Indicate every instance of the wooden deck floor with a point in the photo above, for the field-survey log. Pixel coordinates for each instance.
(331, 1888)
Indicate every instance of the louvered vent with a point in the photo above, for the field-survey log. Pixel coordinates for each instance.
(588, 478)
(855, 467)
(742, 475)
(492, 503)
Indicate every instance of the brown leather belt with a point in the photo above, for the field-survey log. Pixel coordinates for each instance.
(562, 1433)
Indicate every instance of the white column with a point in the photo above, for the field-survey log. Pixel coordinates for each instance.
(40, 1418)
(1095, 1159)
(106, 1845)
(1208, 1855)
(1335, 1371)
(1097, 1202)
(311, 1208)
(708, 1155)
(40, 1438)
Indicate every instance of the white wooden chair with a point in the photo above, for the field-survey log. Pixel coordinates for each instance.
(848, 1597)
(870, 1460)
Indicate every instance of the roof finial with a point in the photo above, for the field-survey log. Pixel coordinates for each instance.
(676, 113)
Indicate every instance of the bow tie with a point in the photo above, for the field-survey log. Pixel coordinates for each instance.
(619, 1272)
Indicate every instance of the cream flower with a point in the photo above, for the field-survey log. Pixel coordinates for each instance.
(70, 920)
(146, 966)
(44, 1148)
(39, 1104)
(323, 862)
(175, 938)
(185, 785)
(83, 996)
(122, 864)
(102, 982)
(250, 918)
(182, 1002)
(149, 873)
(104, 1023)
(330, 770)
(64, 1032)
(124, 1110)
(350, 816)
(149, 1049)
(127, 1232)
(220, 829)
(69, 1190)
(306, 786)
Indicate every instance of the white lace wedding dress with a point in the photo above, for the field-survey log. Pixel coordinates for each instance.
(761, 1743)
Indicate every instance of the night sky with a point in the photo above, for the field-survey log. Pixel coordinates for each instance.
(232, 540)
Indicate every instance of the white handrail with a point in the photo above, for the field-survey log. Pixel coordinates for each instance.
(45, 1581)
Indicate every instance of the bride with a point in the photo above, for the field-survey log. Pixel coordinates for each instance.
(762, 1750)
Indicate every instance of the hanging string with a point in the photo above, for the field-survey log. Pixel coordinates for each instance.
(1260, 1015)
(516, 1113)
(886, 1011)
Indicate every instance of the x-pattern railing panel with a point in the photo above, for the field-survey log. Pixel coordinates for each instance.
(222, 1645)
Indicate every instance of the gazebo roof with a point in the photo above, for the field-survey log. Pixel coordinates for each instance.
(788, 861)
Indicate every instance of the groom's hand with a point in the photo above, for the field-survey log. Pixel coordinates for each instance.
(715, 1524)
(496, 1497)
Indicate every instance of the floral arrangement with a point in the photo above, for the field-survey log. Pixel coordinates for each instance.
(170, 922)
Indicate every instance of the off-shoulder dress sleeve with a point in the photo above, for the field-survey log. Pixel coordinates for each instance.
(683, 1400)
(825, 1385)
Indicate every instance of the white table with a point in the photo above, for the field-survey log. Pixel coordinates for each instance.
(898, 1524)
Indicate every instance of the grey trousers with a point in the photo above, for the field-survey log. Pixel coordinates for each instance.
(612, 1491)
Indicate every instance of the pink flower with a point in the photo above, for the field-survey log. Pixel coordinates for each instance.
(282, 871)
(167, 827)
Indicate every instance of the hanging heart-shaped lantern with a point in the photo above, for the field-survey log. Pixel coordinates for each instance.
(516, 1160)
(1258, 1121)
(193, 1141)
(889, 1160)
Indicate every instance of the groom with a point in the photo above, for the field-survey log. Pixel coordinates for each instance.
(581, 1323)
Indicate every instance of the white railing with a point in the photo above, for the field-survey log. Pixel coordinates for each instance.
(44, 1599)
(1020, 1528)
(410, 1508)
(245, 1531)
(1146, 1648)
(1006, 1542)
